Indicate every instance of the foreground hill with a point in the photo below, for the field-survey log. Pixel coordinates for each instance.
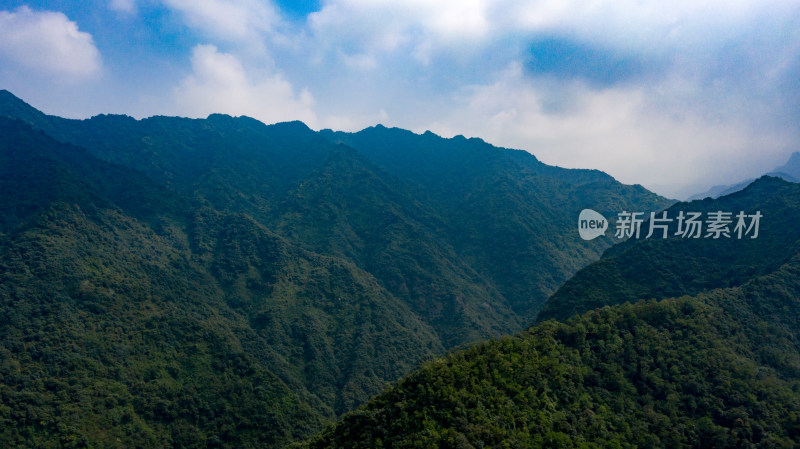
(717, 368)
(170, 282)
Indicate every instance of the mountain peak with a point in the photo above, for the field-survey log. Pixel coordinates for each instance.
(294, 130)
(295, 125)
(6, 95)
(218, 116)
(9, 99)
(13, 106)
(791, 167)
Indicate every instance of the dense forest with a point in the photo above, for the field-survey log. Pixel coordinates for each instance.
(715, 364)
(171, 282)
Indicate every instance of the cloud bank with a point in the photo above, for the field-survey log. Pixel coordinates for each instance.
(220, 84)
(47, 43)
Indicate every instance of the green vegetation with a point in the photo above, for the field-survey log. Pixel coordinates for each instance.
(511, 217)
(716, 369)
(222, 283)
(689, 372)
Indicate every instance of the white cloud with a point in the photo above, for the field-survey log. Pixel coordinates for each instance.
(220, 84)
(624, 131)
(677, 90)
(244, 21)
(48, 43)
(380, 25)
(681, 32)
(706, 97)
(419, 27)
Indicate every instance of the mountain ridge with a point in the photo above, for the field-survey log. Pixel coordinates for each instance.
(236, 254)
(235, 181)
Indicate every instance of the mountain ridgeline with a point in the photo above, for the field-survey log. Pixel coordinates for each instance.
(664, 342)
(174, 282)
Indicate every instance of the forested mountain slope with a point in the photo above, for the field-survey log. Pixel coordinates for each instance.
(720, 368)
(500, 213)
(198, 322)
(221, 282)
(513, 216)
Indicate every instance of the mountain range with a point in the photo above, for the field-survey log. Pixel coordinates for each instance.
(219, 282)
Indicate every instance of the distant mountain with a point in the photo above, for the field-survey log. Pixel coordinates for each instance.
(717, 366)
(790, 171)
(225, 283)
(791, 167)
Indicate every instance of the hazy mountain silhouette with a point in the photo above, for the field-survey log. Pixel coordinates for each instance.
(790, 171)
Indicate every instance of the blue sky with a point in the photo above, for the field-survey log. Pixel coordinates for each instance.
(677, 96)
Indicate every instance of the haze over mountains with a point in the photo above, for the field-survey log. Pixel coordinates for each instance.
(789, 171)
(225, 283)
